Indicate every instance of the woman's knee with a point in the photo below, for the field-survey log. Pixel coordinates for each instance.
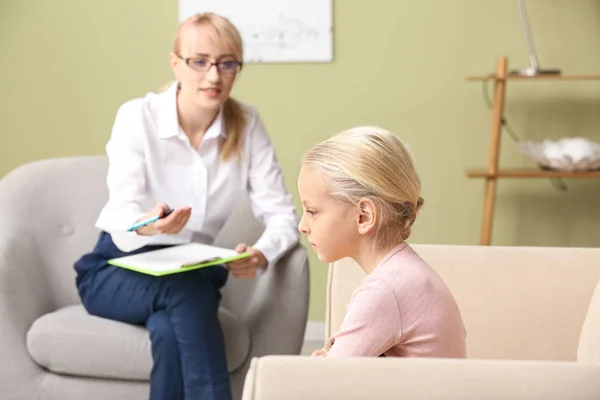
(217, 275)
(191, 287)
(192, 281)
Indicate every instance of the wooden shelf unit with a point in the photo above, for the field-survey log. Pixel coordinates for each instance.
(492, 173)
(535, 78)
(532, 173)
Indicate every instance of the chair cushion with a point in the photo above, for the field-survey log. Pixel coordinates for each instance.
(70, 341)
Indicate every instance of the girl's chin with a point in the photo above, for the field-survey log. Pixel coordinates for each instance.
(325, 259)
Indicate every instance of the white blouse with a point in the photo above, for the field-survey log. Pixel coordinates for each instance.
(151, 161)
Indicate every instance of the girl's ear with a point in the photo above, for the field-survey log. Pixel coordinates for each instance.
(368, 216)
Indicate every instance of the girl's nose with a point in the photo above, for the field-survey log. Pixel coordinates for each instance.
(302, 226)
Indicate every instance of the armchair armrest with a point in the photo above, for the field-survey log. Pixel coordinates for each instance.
(24, 292)
(274, 305)
(23, 298)
(278, 309)
(295, 378)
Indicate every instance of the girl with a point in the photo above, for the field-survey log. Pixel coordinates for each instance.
(194, 149)
(361, 195)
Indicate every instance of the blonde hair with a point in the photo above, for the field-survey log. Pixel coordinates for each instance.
(234, 117)
(371, 162)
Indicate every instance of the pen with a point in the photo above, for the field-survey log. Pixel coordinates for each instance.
(147, 221)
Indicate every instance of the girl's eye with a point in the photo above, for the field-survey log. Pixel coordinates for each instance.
(311, 212)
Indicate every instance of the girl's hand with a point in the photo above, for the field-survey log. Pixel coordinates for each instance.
(323, 351)
(171, 224)
(319, 353)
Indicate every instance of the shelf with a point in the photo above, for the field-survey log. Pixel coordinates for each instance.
(592, 77)
(500, 78)
(532, 173)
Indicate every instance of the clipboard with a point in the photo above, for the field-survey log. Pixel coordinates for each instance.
(177, 259)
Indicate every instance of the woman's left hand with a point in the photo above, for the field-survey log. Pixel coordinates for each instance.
(246, 267)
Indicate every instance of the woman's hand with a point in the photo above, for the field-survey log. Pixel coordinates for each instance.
(171, 224)
(246, 267)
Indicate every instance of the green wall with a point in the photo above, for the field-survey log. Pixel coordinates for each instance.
(66, 65)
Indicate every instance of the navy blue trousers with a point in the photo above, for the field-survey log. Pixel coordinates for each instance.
(179, 311)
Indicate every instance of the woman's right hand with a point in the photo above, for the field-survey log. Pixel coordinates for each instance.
(172, 224)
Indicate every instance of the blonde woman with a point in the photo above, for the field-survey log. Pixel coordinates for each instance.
(193, 149)
(361, 194)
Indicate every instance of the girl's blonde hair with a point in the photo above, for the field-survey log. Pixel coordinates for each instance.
(371, 162)
(234, 117)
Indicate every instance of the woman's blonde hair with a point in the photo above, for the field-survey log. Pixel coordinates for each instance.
(234, 117)
(371, 162)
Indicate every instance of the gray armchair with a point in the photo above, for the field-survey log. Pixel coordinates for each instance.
(50, 348)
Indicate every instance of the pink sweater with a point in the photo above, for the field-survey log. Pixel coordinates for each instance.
(402, 309)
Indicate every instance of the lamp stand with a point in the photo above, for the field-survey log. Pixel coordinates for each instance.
(534, 68)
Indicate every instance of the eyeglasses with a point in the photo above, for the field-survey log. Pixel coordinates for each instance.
(203, 64)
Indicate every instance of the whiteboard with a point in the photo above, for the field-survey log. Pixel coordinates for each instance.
(275, 30)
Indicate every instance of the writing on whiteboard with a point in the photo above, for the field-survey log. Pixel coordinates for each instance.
(275, 30)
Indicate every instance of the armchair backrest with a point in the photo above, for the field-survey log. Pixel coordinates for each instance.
(516, 302)
(54, 204)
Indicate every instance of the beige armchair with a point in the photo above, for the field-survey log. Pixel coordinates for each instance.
(533, 332)
(50, 348)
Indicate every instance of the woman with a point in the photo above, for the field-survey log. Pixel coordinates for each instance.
(193, 149)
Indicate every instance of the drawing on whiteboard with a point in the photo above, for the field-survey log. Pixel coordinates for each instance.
(275, 30)
(287, 33)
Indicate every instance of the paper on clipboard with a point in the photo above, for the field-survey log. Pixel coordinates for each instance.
(176, 259)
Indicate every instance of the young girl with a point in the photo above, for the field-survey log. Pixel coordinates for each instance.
(361, 195)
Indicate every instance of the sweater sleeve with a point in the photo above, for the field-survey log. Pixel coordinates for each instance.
(372, 324)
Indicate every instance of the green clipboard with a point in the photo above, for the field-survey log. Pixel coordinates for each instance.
(177, 259)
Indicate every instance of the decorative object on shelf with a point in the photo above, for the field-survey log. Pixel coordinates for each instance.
(567, 154)
(492, 173)
(534, 67)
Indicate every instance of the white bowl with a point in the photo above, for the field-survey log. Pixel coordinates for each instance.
(568, 154)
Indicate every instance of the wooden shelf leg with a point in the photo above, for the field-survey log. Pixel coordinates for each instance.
(494, 151)
(488, 211)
